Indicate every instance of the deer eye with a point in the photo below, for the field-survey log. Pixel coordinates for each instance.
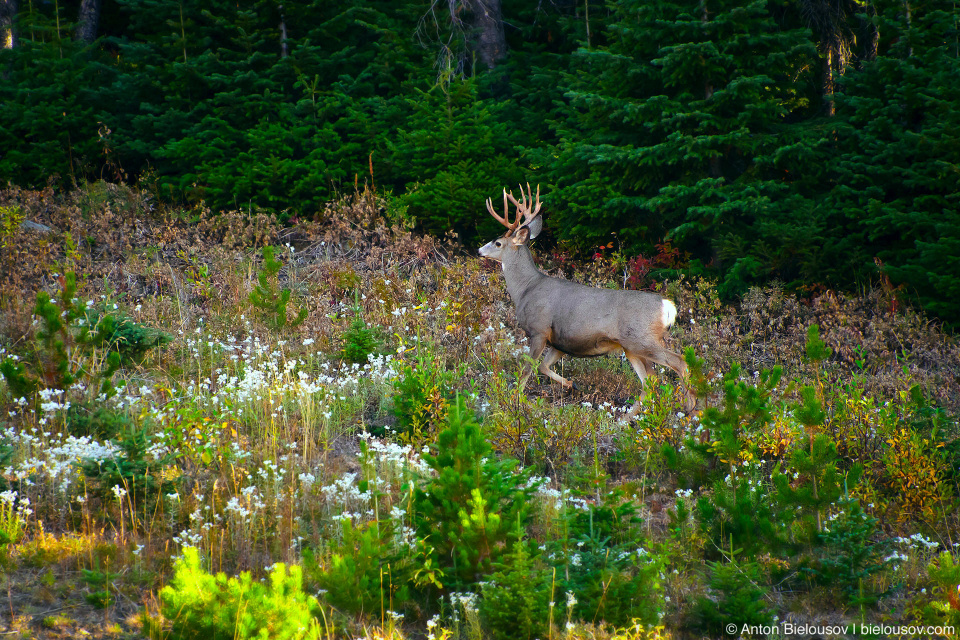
(499, 243)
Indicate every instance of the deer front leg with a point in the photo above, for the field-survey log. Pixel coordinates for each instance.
(550, 357)
(537, 344)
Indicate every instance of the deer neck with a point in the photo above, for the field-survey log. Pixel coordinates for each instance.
(520, 272)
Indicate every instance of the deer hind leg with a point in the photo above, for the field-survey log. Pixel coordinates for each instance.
(642, 365)
(673, 360)
(643, 369)
(550, 357)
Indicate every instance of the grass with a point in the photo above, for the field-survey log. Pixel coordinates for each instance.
(261, 444)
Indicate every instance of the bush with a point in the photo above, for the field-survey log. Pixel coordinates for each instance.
(359, 341)
(356, 573)
(422, 394)
(739, 598)
(847, 556)
(198, 605)
(473, 506)
(616, 583)
(269, 299)
(516, 598)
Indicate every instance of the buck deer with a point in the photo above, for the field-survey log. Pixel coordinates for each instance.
(563, 317)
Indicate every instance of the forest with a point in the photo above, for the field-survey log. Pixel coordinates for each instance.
(812, 143)
(255, 381)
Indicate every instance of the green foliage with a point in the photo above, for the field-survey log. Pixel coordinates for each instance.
(456, 151)
(763, 147)
(268, 299)
(815, 483)
(738, 598)
(422, 395)
(11, 519)
(740, 509)
(65, 329)
(746, 412)
(847, 555)
(359, 341)
(10, 219)
(474, 505)
(130, 339)
(614, 518)
(201, 606)
(100, 422)
(816, 349)
(100, 582)
(355, 575)
(944, 572)
(515, 599)
(613, 582)
(131, 470)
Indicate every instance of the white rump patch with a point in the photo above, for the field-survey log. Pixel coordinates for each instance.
(669, 313)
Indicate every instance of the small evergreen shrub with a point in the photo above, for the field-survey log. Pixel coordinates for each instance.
(423, 392)
(100, 422)
(198, 606)
(268, 299)
(516, 598)
(616, 583)
(473, 506)
(847, 555)
(359, 341)
(130, 339)
(354, 576)
(944, 608)
(132, 469)
(78, 344)
(737, 599)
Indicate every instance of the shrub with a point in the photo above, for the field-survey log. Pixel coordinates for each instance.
(269, 299)
(100, 422)
(359, 341)
(132, 469)
(473, 506)
(945, 607)
(515, 602)
(422, 394)
(847, 556)
(198, 605)
(130, 339)
(615, 583)
(738, 598)
(355, 574)
(78, 344)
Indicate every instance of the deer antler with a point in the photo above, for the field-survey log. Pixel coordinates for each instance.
(523, 207)
(524, 211)
(505, 219)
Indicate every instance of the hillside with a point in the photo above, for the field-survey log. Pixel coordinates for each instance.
(368, 435)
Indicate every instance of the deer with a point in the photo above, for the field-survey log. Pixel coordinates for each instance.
(561, 317)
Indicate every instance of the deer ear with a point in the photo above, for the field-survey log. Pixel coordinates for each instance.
(533, 227)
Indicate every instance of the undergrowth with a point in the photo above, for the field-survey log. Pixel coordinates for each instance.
(201, 443)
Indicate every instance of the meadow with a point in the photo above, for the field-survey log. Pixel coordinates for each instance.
(216, 427)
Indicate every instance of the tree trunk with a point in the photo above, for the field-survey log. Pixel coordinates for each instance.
(8, 19)
(88, 21)
(486, 25)
(828, 85)
(283, 34)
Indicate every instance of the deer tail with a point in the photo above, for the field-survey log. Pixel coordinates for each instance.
(669, 313)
